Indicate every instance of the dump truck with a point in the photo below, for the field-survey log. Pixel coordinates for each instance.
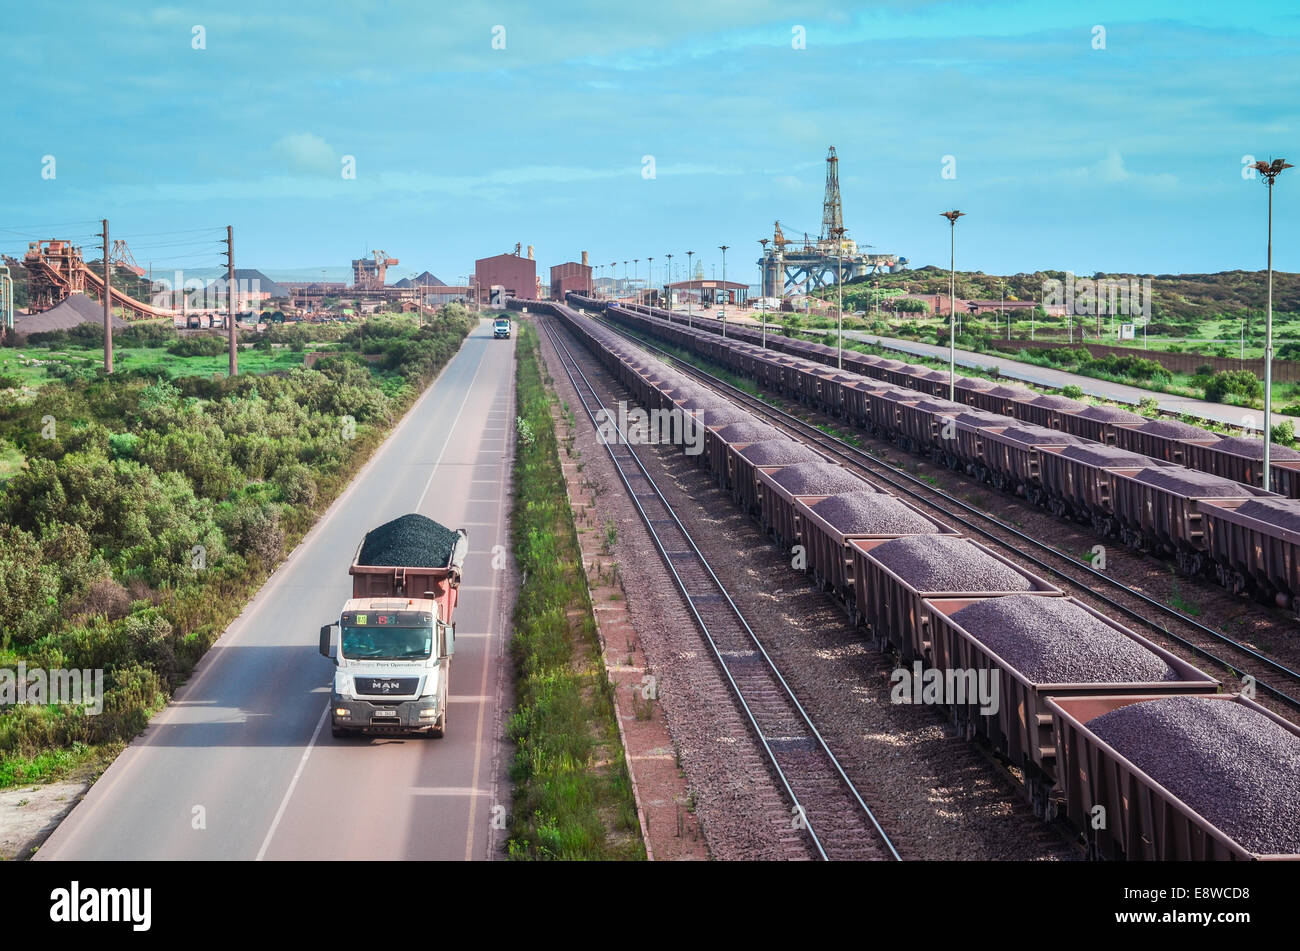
(393, 641)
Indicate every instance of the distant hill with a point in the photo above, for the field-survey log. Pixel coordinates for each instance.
(1175, 297)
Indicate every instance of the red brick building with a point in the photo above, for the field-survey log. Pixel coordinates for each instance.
(518, 275)
(570, 276)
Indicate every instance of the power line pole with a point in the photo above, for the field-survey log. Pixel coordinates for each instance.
(230, 300)
(108, 304)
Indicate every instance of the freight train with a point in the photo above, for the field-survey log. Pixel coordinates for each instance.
(1158, 486)
(1076, 686)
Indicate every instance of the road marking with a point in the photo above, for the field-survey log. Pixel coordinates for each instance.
(449, 791)
(451, 431)
(293, 784)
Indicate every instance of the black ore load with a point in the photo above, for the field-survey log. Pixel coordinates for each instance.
(411, 541)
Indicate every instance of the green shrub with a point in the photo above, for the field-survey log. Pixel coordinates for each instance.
(1242, 385)
(1073, 391)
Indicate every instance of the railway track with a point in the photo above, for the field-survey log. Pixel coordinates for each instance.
(1081, 580)
(825, 804)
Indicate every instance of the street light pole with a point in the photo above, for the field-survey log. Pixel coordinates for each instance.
(726, 294)
(952, 217)
(690, 276)
(838, 235)
(1270, 173)
(650, 277)
(668, 283)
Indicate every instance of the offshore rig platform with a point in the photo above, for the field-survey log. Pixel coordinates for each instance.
(793, 267)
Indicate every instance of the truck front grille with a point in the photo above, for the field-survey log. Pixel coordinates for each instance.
(387, 686)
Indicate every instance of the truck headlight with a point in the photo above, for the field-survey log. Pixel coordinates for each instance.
(431, 712)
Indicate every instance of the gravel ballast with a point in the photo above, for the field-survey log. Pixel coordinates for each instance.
(818, 478)
(1055, 641)
(872, 513)
(1231, 764)
(947, 564)
(409, 541)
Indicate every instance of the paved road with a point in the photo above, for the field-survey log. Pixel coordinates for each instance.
(245, 745)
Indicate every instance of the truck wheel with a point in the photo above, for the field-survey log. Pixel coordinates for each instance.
(440, 727)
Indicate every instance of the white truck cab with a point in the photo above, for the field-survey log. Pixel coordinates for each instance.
(392, 658)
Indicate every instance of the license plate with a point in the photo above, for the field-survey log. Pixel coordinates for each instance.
(384, 713)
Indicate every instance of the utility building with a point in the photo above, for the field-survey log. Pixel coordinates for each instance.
(515, 273)
(571, 276)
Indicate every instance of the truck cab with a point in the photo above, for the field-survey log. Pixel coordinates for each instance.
(392, 657)
(501, 328)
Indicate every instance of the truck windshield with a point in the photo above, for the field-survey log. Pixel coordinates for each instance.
(387, 643)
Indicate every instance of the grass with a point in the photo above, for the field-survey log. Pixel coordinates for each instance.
(572, 794)
(32, 364)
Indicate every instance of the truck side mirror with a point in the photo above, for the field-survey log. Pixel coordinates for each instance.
(327, 649)
(448, 639)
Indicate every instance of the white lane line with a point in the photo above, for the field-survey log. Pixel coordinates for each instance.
(450, 432)
(293, 784)
(302, 763)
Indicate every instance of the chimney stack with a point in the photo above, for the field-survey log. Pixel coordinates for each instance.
(585, 262)
(530, 253)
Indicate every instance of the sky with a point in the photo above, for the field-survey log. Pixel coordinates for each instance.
(1104, 136)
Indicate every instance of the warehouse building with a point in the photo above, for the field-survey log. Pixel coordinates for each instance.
(571, 276)
(513, 272)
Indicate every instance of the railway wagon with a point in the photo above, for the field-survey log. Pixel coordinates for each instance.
(1159, 510)
(905, 375)
(925, 425)
(1255, 545)
(1100, 423)
(1018, 640)
(777, 489)
(1012, 456)
(856, 402)
(888, 602)
(745, 461)
(886, 418)
(1151, 819)
(827, 523)
(966, 387)
(1242, 458)
(1045, 410)
(966, 450)
(1000, 399)
(1077, 480)
(719, 441)
(1163, 439)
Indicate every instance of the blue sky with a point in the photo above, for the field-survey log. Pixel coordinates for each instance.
(1126, 158)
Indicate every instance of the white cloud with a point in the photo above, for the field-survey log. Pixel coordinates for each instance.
(306, 152)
